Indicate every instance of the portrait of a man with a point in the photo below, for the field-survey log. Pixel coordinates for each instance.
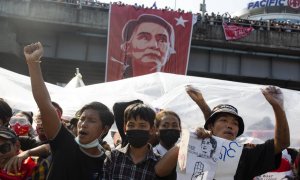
(143, 41)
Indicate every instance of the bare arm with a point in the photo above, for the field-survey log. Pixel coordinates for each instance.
(282, 134)
(167, 163)
(197, 97)
(15, 163)
(50, 119)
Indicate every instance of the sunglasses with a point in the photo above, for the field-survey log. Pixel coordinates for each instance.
(5, 148)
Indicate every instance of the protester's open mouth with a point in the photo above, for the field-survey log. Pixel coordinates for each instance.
(82, 133)
(228, 133)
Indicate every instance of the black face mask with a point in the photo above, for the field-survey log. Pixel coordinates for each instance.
(169, 137)
(137, 138)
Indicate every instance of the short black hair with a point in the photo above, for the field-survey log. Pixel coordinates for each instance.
(163, 113)
(8, 134)
(57, 106)
(140, 110)
(106, 116)
(5, 112)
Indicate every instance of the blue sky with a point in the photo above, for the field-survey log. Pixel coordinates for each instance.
(216, 6)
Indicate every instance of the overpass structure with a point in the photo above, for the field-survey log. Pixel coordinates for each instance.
(75, 35)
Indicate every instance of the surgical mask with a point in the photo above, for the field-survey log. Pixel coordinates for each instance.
(137, 138)
(169, 136)
(92, 144)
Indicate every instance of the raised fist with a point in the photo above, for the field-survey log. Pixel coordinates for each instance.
(33, 52)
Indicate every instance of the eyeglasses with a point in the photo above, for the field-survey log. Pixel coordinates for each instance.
(5, 148)
(20, 120)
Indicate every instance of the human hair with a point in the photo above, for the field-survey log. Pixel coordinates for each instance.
(131, 26)
(8, 134)
(57, 106)
(105, 115)
(5, 112)
(163, 113)
(140, 110)
(28, 115)
(213, 143)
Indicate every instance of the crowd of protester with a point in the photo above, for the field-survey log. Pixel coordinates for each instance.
(46, 145)
(268, 25)
(212, 19)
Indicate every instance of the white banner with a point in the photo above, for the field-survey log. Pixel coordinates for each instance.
(165, 91)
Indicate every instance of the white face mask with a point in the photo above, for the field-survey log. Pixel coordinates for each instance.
(92, 144)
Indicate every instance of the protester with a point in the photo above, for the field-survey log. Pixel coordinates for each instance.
(73, 126)
(136, 160)
(118, 109)
(168, 129)
(72, 158)
(5, 113)
(21, 125)
(225, 122)
(9, 147)
(41, 138)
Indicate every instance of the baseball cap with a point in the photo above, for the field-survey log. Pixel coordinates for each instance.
(225, 108)
(8, 133)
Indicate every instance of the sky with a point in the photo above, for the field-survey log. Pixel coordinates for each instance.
(221, 6)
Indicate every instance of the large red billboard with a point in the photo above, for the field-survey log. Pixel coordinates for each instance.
(143, 41)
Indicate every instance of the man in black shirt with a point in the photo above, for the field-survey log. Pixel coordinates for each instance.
(225, 122)
(72, 158)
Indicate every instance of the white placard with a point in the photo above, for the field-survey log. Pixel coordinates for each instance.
(207, 159)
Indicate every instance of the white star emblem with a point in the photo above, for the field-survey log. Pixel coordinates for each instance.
(180, 21)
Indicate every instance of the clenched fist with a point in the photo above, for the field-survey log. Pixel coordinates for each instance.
(33, 52)
(273, 95)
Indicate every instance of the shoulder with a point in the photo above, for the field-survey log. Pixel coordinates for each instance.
(63, 140)
(153, 155)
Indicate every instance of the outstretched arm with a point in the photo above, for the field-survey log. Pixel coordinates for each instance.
(282, 135)
(50, 119)
(15, 163)
(197, 97)
(167, 163)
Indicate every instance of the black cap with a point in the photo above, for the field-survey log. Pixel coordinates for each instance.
(225, 108)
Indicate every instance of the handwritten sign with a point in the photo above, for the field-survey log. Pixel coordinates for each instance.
(228, 160)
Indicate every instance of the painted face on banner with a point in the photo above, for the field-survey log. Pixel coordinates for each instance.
(149, 45)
